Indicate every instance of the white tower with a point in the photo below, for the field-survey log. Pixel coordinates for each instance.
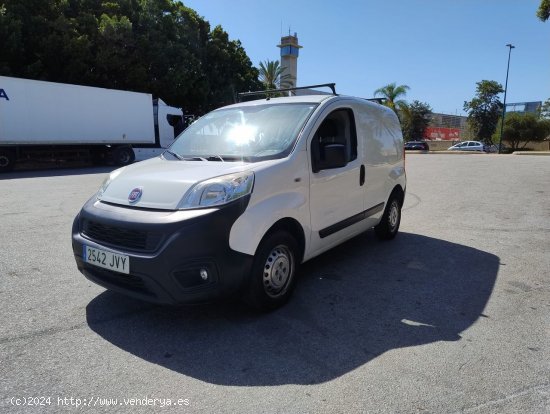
(289, 58)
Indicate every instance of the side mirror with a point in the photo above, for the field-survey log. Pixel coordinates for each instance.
(335, 156)
(330, 156)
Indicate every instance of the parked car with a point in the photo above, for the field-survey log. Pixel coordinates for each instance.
(417, 146)
(491, 148)
(242, 197)
(468, 146)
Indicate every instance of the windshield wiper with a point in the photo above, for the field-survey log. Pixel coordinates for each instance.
(185, 158)
(204, 158)
(215, 158)
(179, 157)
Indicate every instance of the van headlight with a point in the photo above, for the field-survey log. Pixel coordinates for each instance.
(218, 191)
(108, 181)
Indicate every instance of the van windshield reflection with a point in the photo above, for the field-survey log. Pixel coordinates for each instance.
(248, 133)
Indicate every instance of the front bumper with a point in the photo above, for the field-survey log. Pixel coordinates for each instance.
(167, 250)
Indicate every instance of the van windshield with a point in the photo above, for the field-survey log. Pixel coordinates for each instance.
(249, 133)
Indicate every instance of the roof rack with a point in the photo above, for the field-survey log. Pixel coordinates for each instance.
(381, 101)
(332, 87)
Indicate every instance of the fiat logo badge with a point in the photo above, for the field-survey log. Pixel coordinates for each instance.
(135, 195)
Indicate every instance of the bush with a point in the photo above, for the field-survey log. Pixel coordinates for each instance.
(520, 129)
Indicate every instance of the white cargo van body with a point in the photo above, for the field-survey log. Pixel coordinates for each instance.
(38, 115)
(333, 195)
(244, 195)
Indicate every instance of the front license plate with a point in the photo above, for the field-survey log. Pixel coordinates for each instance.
(107, 260)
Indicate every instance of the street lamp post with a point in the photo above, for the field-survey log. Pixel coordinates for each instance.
(510, 46)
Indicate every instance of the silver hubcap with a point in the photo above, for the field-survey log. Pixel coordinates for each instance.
(278, 270)
(394, 215)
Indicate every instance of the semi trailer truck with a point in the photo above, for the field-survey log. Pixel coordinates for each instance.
(46, 120)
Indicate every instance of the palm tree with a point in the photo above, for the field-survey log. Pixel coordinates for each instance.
(392, 93)
(272, 75)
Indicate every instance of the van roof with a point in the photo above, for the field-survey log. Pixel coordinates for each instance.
(301, 99)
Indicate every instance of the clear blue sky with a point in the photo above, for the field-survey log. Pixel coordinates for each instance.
(440, 48)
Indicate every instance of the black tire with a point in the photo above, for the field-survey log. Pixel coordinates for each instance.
(123, 155)
(389, 225)
(7, 160)
(273, 275)
(98, 156)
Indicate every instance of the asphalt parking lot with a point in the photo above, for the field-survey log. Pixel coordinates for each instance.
(451, 316)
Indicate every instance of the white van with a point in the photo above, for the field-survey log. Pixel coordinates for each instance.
(242, 197)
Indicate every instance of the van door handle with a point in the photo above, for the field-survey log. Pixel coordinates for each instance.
(362, 175)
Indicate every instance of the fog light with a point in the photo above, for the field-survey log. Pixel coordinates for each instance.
(204, 274)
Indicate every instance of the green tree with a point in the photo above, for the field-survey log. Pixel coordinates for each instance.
(391, 93)
(272, 75)
(229, 69)
(155, 46)
(484, 109)
(543, 12)
(170, 45)
(415, 118)
(522, 128)
(11, 42)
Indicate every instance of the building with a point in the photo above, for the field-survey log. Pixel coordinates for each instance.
(524, 107)
(290, 50)
(444, 127)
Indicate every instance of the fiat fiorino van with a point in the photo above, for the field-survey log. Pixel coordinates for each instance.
(242, 197)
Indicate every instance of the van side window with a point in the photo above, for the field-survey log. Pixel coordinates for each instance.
(334, 144)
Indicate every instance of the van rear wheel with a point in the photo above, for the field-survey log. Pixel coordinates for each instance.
(389, 225)
(7, 160)
(273, 273)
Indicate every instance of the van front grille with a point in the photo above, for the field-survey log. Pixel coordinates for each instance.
(121, 237)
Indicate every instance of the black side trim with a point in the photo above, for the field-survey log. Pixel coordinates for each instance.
(327, 231)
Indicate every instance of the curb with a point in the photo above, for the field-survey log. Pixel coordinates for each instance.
(538, 153)
(447, 152)
(547, 153)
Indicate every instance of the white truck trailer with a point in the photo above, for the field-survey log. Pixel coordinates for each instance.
(47, 120)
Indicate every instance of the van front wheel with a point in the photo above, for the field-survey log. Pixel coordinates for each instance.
(389, 225)
(274, 272)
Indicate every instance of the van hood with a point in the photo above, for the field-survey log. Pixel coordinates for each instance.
(163, 183)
